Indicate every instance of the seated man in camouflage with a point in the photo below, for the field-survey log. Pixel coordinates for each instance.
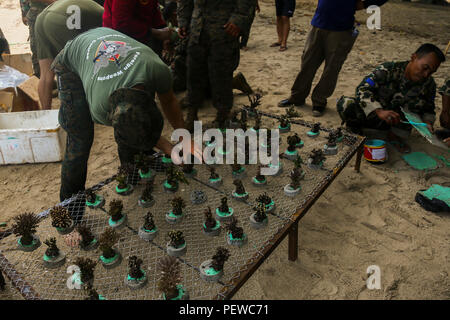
(389, 88)
(108, 78)
(444, 119)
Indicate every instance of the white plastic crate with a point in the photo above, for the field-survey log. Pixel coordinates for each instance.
(31, 137)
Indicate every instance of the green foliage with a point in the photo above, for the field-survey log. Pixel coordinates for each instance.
(60, 217)
(122, 175)
(52, 250)
(134, 265)
(173, 175)
(176, 238)
(264, 198)
(25, 226)
(224, 205)
(87, 267)
(295, 176)
(260, 214)
(107, 240)
(232, 227)
(115, 210)
(220, 258)
(210, 222)
(298, 162)
(149, 223)
(170, 276)
(86, 235)
(147, 193)
(177, 205)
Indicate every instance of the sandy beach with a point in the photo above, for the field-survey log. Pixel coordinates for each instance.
(363, 219)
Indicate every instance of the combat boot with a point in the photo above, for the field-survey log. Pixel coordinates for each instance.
(241, 84)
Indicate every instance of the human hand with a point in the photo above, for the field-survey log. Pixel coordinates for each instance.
(447, 142)
(182, 32)
(258, 10)
(389, 116)
(25, 20)
(232, 29)
(430, 127)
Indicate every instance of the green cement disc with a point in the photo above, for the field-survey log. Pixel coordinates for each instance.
(420, 161)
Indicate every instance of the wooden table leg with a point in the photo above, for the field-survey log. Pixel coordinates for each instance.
(293, 242)
(359, 154)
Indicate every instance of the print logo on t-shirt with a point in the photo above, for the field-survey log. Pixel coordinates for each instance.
(110, 52)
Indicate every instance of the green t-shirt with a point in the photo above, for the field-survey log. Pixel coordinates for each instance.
(107, 60)
(61, 22)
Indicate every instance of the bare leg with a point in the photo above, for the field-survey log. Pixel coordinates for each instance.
(279, 32)
(285, 27)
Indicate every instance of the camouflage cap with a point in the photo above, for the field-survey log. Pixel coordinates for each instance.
(136, 119)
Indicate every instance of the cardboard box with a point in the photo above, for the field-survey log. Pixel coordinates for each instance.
(30, 89)
(20, 101)
(6, 101)
(21, 62)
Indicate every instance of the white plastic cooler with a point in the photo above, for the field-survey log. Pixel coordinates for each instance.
(31, 137)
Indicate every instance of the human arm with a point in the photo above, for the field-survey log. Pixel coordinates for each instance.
(239, 17)
(367, 92)
(184, 14)
(45, 85)
(445, 113)
(162, 34)
(171, 109)
(164, 145)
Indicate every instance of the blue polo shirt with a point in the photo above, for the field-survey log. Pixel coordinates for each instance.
(338, 15)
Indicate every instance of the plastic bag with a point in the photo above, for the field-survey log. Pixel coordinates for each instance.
(11, 78)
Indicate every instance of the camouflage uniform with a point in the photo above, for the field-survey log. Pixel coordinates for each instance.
(25, 7)
(212, 54)
(246, 31)
(445, 91)
(35, 8)
(387, 88)
(179, 65)
(75, 118)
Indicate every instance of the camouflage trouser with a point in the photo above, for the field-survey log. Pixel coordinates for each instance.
(245, 33)
(75, 118)
(356, 120)
(179, 66)
(208, 61)
(31, 17)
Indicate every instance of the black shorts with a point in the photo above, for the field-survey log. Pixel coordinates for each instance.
(285, 7)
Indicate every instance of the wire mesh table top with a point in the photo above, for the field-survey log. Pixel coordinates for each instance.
(52, 283)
